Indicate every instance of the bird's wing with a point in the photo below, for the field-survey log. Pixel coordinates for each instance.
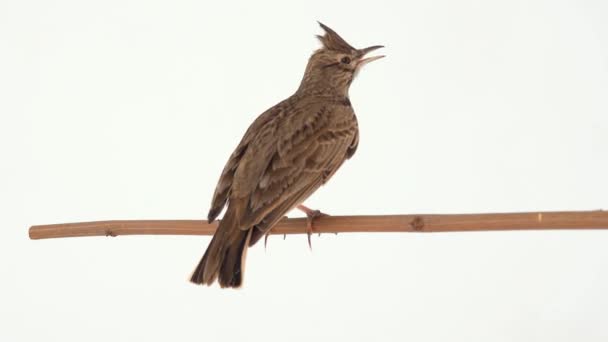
(298, 197)
(224, 185)
(290, 159)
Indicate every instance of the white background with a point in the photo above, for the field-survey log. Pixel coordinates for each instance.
(129, 110)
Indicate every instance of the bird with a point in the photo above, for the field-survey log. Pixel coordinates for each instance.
(286, 154)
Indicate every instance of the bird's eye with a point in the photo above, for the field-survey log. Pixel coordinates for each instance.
(345, 60)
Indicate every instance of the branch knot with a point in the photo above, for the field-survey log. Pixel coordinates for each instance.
(417, 224)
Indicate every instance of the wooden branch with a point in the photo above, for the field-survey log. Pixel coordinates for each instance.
(340, 224)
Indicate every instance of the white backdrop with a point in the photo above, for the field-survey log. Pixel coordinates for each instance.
(129, 110)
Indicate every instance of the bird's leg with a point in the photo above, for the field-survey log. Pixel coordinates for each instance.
(311, 215)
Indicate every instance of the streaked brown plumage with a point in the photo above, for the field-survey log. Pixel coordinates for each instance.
(286, 154)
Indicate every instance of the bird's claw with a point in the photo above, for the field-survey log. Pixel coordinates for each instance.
(270, 232)
(311, 215)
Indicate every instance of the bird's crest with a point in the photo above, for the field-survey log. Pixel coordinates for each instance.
(332, 41)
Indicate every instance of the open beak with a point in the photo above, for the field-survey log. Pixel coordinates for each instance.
(367, 50)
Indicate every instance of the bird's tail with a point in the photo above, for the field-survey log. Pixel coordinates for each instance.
(225, 257)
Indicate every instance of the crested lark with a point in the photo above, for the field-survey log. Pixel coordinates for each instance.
(286, 154)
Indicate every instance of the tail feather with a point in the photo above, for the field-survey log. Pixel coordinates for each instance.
(233, 265)
(224, 258)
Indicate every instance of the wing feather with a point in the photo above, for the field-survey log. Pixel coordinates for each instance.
(295, 173)
(224, 185)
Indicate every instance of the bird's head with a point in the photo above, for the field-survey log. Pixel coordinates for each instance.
(333, 67)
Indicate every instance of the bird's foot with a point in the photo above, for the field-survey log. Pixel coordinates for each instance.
(311, 215)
